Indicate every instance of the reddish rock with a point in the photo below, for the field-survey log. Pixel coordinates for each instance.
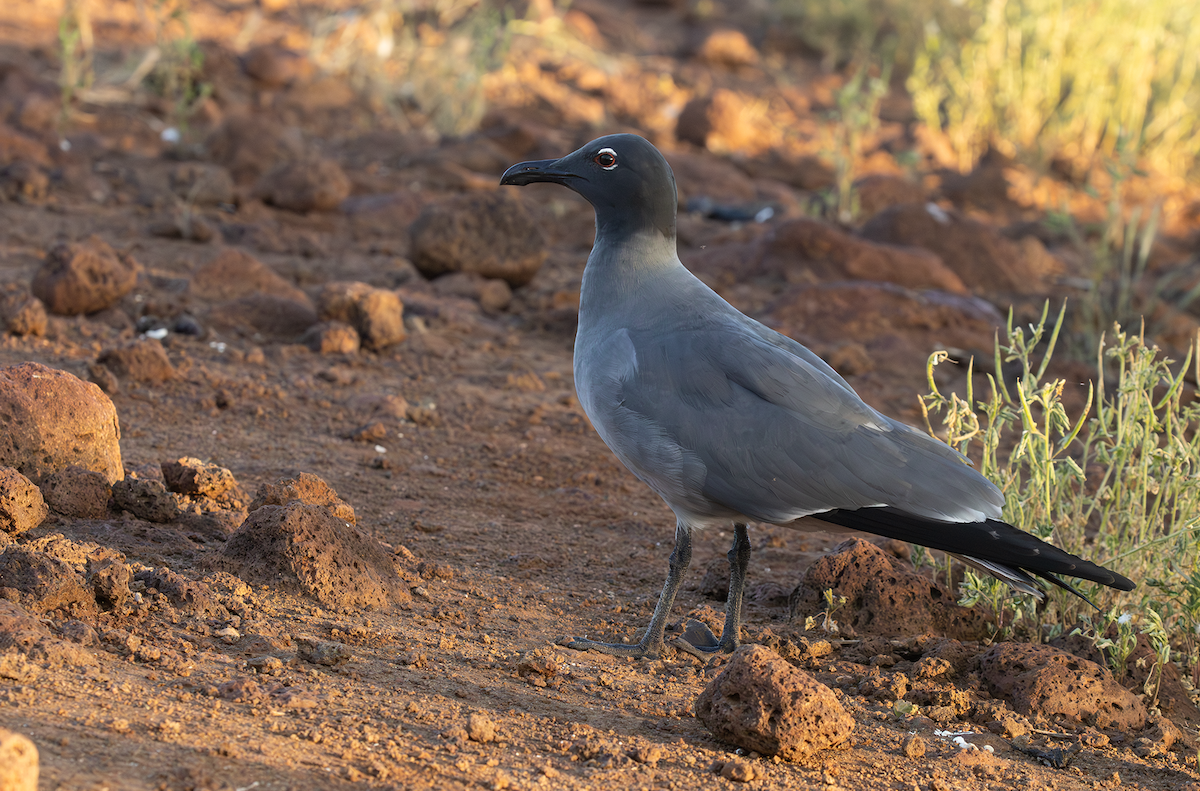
(24, 182)
(827, 253)
(233, 274)
(264, 316)
(307, 489)
(249, 146)
(44, 583)
(202, 184)
(708, 176)
(77, 492)
(24, 637)
(492, 295)
(309, 549)
(193, 597)
(1046, 681)
(809, 173)
(272, 66)
(760, 702)
(880, 191)
(332, 337)
(304, 185)
(21, 505)
(375, 313)
(109, 578)
(146, 499)
(19, 147)
(376, 217)
(986, 261)
(18, 762)
(488, 233)
(185, 225)
(83, 277)
(21, 313)
(883, 595)
(985, 187)
(195, 477)
(728, 48)
(54, 420)
(144, 360)
(726, 121)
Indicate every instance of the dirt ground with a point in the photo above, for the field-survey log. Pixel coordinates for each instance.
(513, 522)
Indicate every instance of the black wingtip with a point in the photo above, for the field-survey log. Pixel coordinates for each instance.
(991, 540)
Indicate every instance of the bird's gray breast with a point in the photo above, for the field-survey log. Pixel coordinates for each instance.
(607, 368)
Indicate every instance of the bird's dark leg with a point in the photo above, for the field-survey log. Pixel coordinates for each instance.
(652, 643)
(698, 640)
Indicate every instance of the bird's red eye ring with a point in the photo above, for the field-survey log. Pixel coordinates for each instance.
(606, 159)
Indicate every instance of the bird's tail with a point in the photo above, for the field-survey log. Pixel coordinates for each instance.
(1007, 553)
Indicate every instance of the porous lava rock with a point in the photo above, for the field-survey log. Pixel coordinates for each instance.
(303, 546)
(109, 577)
(24, 637)
(884, 595)
(489, 233)
(146, 498)
(52, 420)
(193, 477)
(760, 702)
(304, 488)
(83, 277)
(828, 253)
(729, 48)
(145, 360)
(193, 597)
(18, 762)
(44, 583)
(304, 185)
(249, 146)
(24, 182)
(332, 337)
(879, 191)
(698, 175)
(22, 506)
(724, 122)
(377, 314)
(202, 184)
(273, 66)
(21, 313)
(268, 316)
(986, 261)
(233, 274)
(1049, 682)
(492, 294)
(77, 492)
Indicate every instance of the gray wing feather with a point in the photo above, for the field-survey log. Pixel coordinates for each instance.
(780, 436)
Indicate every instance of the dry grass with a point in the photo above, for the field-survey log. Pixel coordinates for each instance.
(1071, 78)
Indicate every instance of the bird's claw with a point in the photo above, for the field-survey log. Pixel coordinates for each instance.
(636, 650)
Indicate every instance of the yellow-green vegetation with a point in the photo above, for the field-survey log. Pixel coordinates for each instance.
(1118, 483)
(75, 50)
(417, 58)
(857, 115)
(1068, 77)
(178, 60)
(844, 30)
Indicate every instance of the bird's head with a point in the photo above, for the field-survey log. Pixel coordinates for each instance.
(624, 177)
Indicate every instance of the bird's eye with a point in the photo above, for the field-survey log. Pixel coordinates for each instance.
(606, 159)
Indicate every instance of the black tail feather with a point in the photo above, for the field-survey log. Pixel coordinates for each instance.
(992, 540)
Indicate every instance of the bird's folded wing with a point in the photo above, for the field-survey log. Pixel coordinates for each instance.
(779, 438)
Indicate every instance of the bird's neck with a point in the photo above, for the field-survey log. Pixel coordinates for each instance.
(630, 268)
